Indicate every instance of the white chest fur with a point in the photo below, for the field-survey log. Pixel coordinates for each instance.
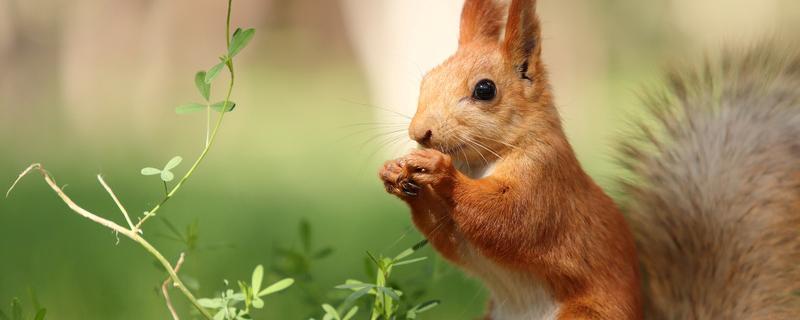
(514, 296)
(475, 171)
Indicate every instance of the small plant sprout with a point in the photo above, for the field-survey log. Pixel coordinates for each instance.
(231, 305)
(17, 312)
(420, 308)
(386, 302)
(225, 306)
(332, 314)
(165, 173)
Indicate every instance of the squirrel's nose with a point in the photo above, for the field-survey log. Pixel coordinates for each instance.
(423, 137)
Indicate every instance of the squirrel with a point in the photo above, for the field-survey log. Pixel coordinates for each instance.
(711, 223)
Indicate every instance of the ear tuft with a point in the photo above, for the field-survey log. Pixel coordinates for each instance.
(481, 20)
(522, 35)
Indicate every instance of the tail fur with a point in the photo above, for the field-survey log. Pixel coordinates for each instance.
(714, 189)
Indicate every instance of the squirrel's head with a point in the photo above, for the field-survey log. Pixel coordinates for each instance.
(492, 95)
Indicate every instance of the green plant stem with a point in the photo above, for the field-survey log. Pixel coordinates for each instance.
(152, 212)
(208, 122)
(130, 233)
(379, 307)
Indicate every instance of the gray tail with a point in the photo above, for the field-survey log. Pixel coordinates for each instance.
(713, 192)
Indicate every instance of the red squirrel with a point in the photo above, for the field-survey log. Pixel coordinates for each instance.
(498, 191)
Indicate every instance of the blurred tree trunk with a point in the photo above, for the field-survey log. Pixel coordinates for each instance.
(28, 54)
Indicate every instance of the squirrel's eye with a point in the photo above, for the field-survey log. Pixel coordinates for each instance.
(485, 90)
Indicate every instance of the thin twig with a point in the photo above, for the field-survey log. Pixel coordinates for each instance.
(21, 175)
(117, 228)
(165, 291)
(119, 204)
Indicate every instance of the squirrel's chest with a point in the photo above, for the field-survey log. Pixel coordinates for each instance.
(515, 296)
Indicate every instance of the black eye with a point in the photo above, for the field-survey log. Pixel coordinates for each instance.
(485, 90)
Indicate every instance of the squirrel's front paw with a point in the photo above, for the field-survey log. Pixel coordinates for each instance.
(432, 168)
(408, 176)
(396, 179)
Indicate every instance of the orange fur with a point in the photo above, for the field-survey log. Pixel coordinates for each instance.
(537, 215)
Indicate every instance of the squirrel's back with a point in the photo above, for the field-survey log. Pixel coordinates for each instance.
(714, 191)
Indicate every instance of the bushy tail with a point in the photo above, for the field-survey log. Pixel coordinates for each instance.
(714, 191)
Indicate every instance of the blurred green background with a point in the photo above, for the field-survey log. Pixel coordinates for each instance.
(89, 87)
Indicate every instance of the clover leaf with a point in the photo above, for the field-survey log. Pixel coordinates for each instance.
(165, 173)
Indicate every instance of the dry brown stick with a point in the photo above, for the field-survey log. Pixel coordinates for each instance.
(119, 204)
(115, 227)
(165, 291)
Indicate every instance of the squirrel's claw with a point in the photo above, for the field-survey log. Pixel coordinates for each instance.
(410, 188)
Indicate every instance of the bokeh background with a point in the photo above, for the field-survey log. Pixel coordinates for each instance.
(89, 86)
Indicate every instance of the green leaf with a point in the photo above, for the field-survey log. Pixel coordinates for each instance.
(258, 276)
(192, 234)
(355, 296)
(150, 171)
(34, 299)
(355, 286)
(40, 314)
(330, 310)
(3, 316)
(220, 315)
(174, 162)
(16, 309)
(374, 259)
(237, 296)
(210, 303)
(305, 235)
(218, 106)
(278, 286)
(404, 254)
(190, 282)
(410, 251)
(172, 228)
(189, 108)
(420, 245)
(245, 296)
(167, 176)
(214, 71)
(390, 292)
(425, 306)
(323, 253)
(240, 40)
(258, 303)
(350, 314)
(203, 87)
(402, 263)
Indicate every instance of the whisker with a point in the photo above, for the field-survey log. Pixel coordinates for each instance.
(472, 145)
(360, 131)
(377, 136)
(466, 160)
(523, 151)
(377, 107)
(373, 124)
(500, 142)
(387, 143)
(487, 149)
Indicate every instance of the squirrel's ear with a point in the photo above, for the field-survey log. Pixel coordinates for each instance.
(522, 46)
(481, 20)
